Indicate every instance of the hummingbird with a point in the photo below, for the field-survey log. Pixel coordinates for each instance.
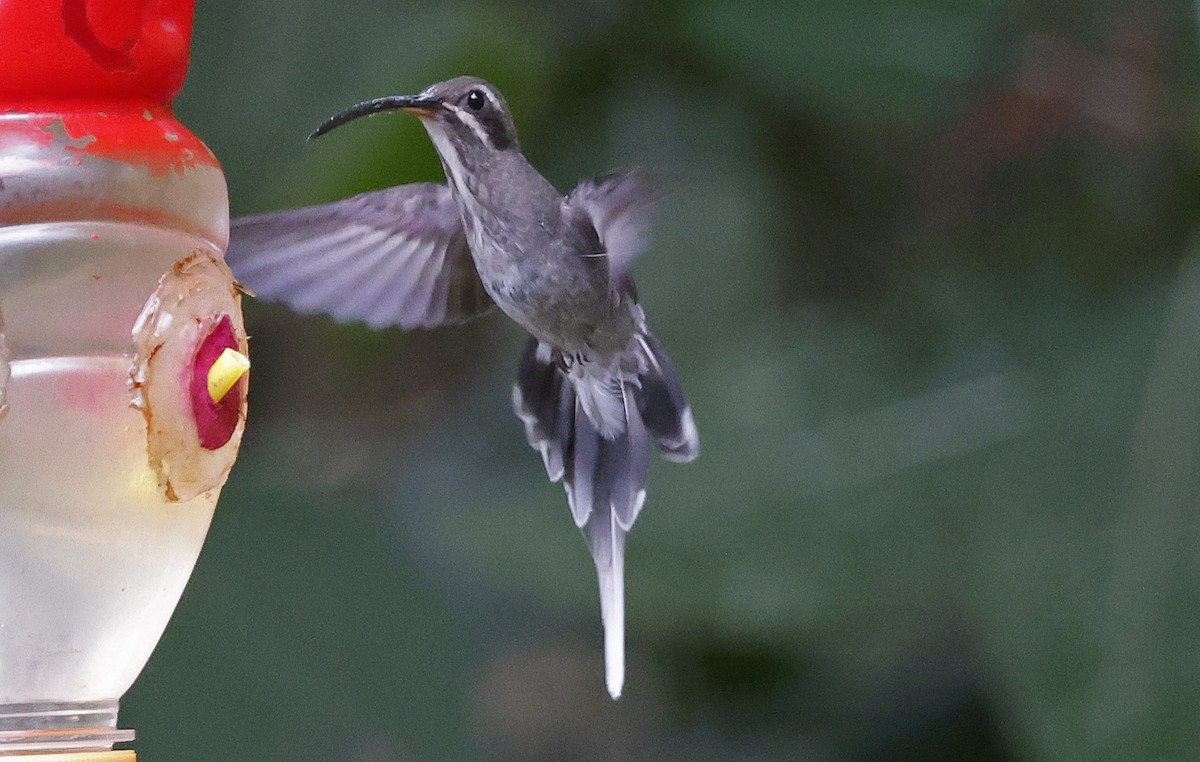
(594, 390)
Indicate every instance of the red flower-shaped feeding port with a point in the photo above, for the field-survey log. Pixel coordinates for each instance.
(216, 420)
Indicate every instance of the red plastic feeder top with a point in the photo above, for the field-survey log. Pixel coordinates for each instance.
(108, 68)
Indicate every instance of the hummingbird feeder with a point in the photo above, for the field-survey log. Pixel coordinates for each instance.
(122, 360)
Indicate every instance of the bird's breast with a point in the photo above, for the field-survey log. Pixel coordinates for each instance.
(532, 272)
(551, 293)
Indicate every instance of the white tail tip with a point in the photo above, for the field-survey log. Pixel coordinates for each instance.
(612, 613)
(614, 657)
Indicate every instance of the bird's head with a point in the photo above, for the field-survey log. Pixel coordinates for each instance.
(465, 115)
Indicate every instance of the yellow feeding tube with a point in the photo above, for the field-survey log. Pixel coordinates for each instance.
(228, 369)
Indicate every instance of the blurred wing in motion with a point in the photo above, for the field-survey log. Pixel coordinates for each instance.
(620, 206)
(395, 257)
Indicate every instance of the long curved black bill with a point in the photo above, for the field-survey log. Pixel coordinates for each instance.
(366, 108)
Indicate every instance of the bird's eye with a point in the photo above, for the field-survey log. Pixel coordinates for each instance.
(476, 100)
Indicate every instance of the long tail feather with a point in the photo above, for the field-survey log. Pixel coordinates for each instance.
(607, 541)
(663, 406)
(545, 402)
(603, 463)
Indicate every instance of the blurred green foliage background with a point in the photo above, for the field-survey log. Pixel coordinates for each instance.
(925, 268)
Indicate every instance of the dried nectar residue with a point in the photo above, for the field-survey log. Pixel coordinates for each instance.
(57, 130)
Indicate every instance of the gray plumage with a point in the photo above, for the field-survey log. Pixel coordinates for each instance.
(594, 387)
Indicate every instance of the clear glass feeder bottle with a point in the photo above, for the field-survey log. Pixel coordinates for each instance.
(115, 305)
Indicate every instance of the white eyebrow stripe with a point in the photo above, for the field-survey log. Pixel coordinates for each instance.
(490, 96)
(470, 120)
